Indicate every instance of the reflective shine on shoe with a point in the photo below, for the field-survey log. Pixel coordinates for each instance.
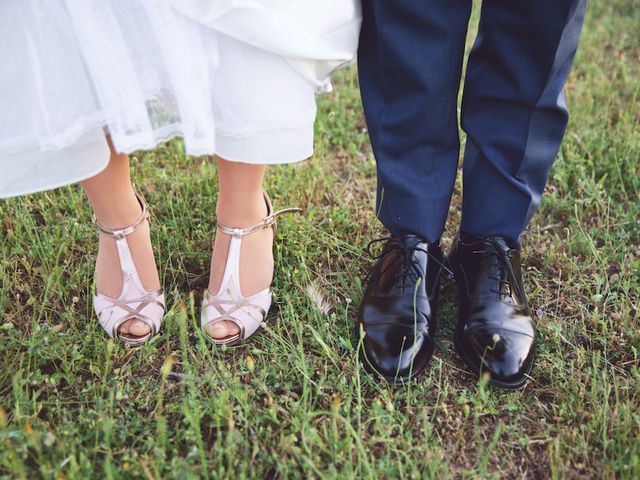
(397, 317)
(134, 303)
(229, 304)
(495, 333)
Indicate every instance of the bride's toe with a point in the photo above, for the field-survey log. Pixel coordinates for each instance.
(222, 329)
(124, 328)
(134, 328)
(138, 328)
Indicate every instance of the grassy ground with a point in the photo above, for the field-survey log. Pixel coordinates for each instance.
(294, 402)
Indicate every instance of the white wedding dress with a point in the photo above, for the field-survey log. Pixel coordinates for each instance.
(232, 77)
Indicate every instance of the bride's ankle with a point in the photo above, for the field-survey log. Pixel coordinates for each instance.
(241, 212)
(120, 214)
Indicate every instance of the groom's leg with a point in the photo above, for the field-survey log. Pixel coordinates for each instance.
(515, 116)
(514, 110)
(410, 62)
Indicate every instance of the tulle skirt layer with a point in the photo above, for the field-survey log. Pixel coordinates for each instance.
(73, 70)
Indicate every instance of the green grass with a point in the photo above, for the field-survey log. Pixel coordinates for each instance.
(293, 402)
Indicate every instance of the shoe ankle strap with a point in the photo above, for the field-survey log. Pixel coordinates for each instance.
(267, 222)
(128, 230)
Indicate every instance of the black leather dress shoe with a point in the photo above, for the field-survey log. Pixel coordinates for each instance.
(495, 332)
(398, 312)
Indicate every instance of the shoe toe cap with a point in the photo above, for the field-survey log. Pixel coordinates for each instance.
(505, 355)
(396, 353)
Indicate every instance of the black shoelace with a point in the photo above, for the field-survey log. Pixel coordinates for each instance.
(410, 268)
(505, 276)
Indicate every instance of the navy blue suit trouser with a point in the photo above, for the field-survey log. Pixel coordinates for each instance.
(513, 109)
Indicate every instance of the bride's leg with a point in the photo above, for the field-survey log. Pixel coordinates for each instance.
(241, 204)
(116, 206)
